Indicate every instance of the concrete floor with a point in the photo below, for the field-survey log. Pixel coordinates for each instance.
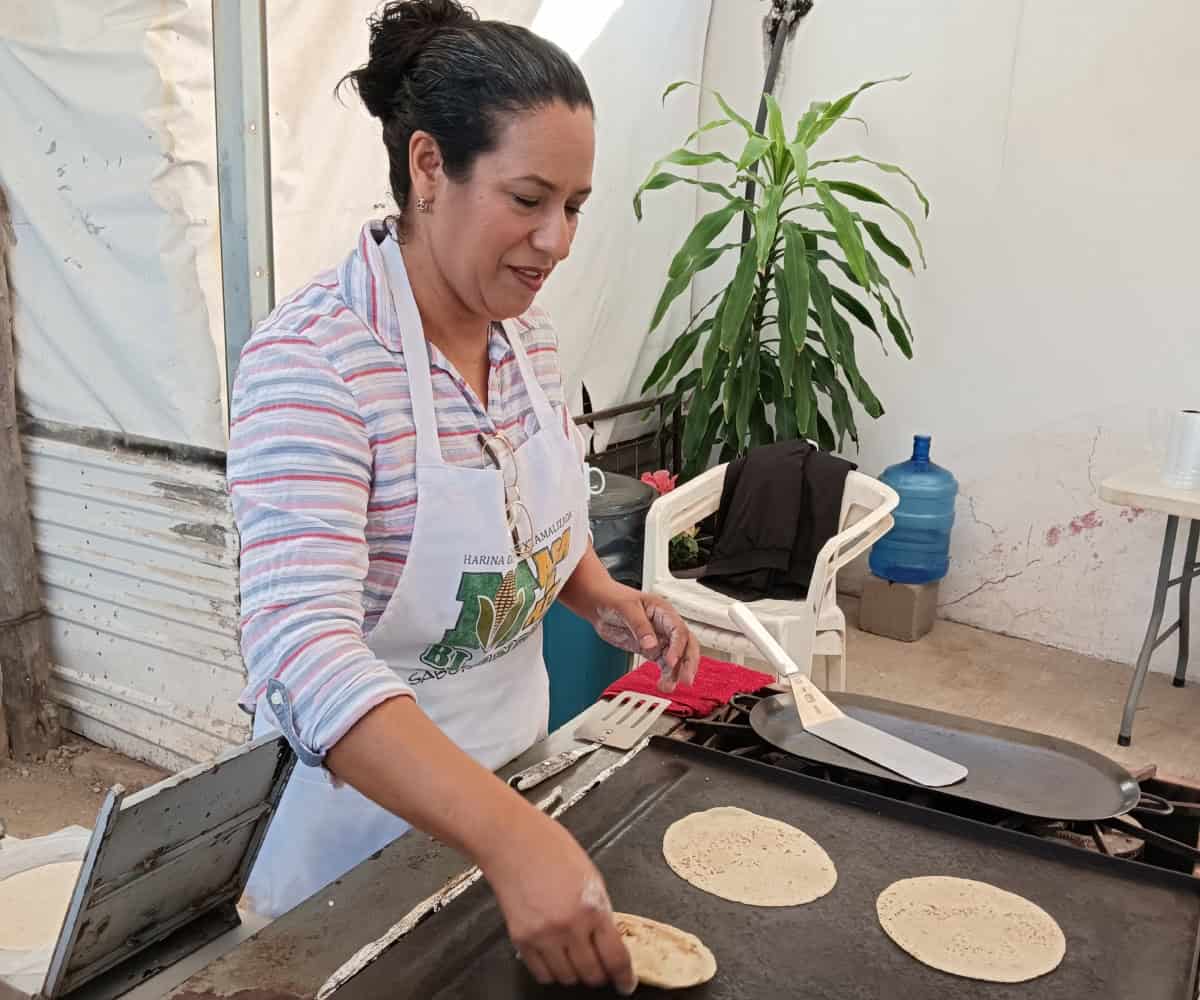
(1014, 682)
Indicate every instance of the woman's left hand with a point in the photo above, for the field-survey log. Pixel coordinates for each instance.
(647, 625)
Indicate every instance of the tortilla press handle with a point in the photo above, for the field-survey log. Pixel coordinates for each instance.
(763, 641)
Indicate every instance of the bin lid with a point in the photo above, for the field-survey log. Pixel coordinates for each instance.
(622, 495)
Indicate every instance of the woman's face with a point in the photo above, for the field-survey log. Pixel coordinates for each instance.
(496, 236)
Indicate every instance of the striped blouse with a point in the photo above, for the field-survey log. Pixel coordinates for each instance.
(323, 483)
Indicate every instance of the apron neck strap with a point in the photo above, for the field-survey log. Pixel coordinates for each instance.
(416, 354)
(537, 395)
(416, 360)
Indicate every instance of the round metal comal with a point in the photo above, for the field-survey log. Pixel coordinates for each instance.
(1020, 772)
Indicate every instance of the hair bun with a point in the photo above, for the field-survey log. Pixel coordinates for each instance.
(398, 34)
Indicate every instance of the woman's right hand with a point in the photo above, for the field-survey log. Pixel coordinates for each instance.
(556, 906)
(552, 896)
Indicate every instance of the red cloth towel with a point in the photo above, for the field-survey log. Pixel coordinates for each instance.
(716, 682)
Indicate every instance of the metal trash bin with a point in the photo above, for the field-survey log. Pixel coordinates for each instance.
(580, 663)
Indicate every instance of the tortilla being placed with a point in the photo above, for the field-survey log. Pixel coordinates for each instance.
(747, 858)
(33, 905)
(664, 956)
(971, 929)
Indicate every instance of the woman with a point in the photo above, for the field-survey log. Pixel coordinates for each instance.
(410, 494)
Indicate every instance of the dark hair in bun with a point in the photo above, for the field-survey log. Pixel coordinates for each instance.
(433, 66)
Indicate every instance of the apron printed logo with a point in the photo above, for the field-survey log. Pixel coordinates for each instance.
(499, 612)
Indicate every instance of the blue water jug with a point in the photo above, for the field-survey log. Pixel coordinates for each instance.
(917, 549)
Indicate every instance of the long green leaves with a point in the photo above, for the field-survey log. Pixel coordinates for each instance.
(671, 363)
(766, 222)
(799, 154)
(744, 122)
(656, 178)
(703, 233)
(847, 232)
(674, 87)
(794, 324)
(855, 309)
(805, 124)
(829, 117)
(700, 413)
(741, 289)
(665, 178)
(788, 346)
(747, 392)
(775, 122)
(890, 168)
(804, 395)
(695, 255)
(753, 151)
(712, 352)
(823, 300)
(879, 238)
(777, 358)
(707, 127)
(852, 190)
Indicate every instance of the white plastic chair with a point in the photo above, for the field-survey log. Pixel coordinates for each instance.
(806, 628)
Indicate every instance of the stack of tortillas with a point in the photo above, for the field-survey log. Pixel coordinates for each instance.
(33, 905)
(664, 956)
(971, 929)
(747, 858)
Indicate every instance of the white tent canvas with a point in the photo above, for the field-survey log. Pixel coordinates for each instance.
(1053, 328)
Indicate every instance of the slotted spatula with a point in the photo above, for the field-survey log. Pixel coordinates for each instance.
(622, 722)
(619, 724)
(824, 719)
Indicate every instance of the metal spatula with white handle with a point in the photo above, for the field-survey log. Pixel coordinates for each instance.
(824, 719)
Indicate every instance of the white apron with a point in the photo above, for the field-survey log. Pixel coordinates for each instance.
(474, 662)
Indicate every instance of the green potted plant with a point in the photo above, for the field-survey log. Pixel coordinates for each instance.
(776, 345)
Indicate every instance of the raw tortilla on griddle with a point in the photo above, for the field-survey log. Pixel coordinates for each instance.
(664, 956)
(971, 929)
(747, 858)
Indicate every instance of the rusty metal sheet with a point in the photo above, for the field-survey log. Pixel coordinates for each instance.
(170, 815)
(165, 859)
(138, 558)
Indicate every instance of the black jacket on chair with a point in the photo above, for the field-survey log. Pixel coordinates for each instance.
(780, 504)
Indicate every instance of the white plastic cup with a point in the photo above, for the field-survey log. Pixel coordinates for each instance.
(1181, 470)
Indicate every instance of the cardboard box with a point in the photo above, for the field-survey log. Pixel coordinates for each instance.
(903, 611)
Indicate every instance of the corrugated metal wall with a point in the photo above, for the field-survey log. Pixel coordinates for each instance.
(138, 555)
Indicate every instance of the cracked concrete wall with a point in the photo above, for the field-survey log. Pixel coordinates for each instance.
(1038, 554)
(1054, 327)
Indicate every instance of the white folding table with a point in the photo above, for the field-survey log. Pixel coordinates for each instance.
(1143, 487)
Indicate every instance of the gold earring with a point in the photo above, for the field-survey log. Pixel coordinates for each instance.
(422, 204)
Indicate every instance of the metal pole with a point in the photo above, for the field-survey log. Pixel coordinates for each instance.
(784, 14)
(243, 172)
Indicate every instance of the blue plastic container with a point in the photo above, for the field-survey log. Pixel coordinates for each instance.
(581, 664)
(917, 549)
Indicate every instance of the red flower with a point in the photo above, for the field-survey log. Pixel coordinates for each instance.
(661, 480)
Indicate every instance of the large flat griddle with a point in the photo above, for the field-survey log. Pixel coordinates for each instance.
(1132, 930)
